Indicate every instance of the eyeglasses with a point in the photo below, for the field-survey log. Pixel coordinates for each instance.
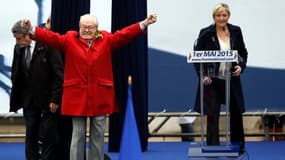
(83, 26)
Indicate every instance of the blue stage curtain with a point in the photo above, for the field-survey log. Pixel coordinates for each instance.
(65, 16)
(130, 60)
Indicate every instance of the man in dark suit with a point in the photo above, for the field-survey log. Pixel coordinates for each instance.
(37, 88)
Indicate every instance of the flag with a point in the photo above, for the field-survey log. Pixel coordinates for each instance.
(130, 148)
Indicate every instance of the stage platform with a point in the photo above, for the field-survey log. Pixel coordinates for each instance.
(171, 151)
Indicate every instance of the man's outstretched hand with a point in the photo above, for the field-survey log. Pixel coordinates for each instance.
(27, 24)
(150, 19)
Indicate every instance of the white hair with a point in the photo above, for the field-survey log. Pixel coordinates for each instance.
(89, 18)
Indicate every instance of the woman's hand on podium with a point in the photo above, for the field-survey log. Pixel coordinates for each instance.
(207, 80)
(237, 71)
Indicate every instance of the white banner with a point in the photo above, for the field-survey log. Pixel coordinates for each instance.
(212, 56)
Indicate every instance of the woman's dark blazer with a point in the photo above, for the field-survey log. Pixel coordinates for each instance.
(208, 40)
(45, 76)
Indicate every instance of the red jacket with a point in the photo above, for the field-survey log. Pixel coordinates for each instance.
(88, 88)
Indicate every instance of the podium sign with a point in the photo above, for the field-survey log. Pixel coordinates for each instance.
(212, 57)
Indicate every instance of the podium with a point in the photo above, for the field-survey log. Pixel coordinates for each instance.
(209, 59)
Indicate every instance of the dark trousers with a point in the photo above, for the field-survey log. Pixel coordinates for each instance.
(217, 97)
(41, 134)
(64, 134)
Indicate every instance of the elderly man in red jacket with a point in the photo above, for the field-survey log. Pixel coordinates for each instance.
(88, 78)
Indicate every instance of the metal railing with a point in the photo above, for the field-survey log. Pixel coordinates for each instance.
(264, 115)
(167, 115)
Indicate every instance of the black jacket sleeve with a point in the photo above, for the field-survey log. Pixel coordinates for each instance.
(57, 67)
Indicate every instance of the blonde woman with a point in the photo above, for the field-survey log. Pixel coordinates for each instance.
(221, 35)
